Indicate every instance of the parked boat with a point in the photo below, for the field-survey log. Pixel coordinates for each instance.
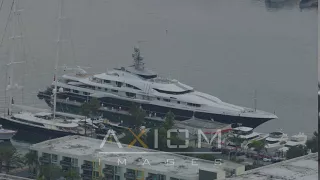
(295, 140)
(6, 134)
(276, 139)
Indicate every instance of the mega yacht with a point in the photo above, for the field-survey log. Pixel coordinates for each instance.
(276, 139)
(6, 134)
(117, 89)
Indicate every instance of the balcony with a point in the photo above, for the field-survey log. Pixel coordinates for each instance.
(130, 175)
(108, 171)
(65, 163)
(87, 167)
(86, 176)
(44, 159)
(154, 177)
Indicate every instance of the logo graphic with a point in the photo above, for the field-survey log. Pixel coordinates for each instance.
(201, 141)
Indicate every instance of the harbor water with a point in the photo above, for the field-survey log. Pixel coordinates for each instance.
(226, 48)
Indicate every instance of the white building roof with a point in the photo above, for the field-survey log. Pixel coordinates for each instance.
(301, 168)
(10, 177)
(110, 153)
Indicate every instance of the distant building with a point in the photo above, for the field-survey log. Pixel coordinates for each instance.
(84, 155)
(301, 168)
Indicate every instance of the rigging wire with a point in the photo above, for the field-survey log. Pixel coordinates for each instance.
(1, 5)
(8, 19)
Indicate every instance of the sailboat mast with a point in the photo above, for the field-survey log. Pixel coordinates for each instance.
(57, 58)
(12, 57)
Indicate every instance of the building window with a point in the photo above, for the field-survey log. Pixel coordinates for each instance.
(99, 88)
(113, 90)
(106, 81)
(139, 174)
(117, 170)
(54, 158)
(162, 177)
(116, 177)
(74, 162)
(86, 93)
(178, 102)
(172, 178)
(158, 98)
(105, 89)
(166, 100)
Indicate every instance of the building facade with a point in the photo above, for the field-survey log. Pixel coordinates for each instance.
(85, 156)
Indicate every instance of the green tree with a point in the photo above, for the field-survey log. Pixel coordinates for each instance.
(259, 146)
(296, 151)
(138, 115)
(169, 121)
(10, 157)
(312, 143)
(237, 142)
(31, 159)
(71, 174)
(50, 172)
(90, 108)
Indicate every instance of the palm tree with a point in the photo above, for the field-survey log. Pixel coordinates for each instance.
(138, 115)
(169, 121)
(237, 141)
(10, 157)
(71, 174)
(259, 146)
(50, 172)
(312, 144)
(31, 159)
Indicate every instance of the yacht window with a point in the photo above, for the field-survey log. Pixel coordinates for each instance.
(131, 86)
(99, 81)
(119, 84)
(130, 94)
(167, 100)
(158, 98)
(75, 91)
(272, 142)
(86, 93)
(105, 89)
(113, 90)
(175, 93)
(178, 102)
(106, 81)
(192, 104)
(99, 88)
(67, 90)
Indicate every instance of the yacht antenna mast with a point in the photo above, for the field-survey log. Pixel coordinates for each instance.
(138, 64)
(55, 90)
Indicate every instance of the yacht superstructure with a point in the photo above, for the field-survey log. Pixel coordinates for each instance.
(120, 87)
(276, 139)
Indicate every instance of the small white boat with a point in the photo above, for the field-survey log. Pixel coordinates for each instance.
(276, 139)
(295, 140)
(6, 134)
(247, 134)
